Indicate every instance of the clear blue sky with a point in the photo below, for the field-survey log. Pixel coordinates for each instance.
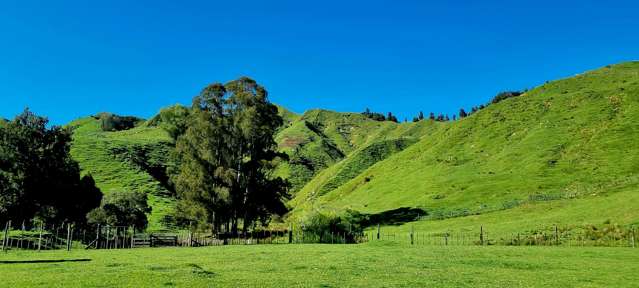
(67, 59)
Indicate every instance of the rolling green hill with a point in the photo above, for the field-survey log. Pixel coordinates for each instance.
(135, 159)
(128, 160)
(564, 152)
(320, 138)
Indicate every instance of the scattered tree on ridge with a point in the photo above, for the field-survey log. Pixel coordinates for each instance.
(462, 113)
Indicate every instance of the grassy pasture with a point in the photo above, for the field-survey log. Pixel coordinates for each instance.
(94, 151)
(375, 264)
(572, 141)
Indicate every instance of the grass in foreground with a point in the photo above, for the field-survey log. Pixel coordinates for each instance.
(366, 265)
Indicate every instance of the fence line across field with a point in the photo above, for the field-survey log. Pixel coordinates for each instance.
(482, 237)
(40, 236)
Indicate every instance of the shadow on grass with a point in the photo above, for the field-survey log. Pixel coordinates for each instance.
(397, 216)
(42, 261)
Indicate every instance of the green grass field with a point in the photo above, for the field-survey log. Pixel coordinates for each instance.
(376, 264)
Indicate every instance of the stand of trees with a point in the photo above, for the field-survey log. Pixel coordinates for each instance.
(379, 116)
(112, 122)
(225, 159)
(38, 178)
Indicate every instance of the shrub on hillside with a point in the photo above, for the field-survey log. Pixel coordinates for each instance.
(173, 119)
(505, 95)
(112, 122)
(121, 209)
(326, 228)
(374, 115)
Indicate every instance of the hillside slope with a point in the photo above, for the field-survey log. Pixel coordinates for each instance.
(129, 160)
(135, 159)
(320, 138)
(576, 138)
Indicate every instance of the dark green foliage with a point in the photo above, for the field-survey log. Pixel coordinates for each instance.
(374, 115)
(38, 178)
(226, 157)
(121, 209)
(462, 113)
(327, 228)
(419, 117)
(391, 117)
(112, 122)
(503, 96)
(173, 119)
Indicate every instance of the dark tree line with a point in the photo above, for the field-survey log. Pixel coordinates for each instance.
(38, 178)
(379, 116)
(463, 113)
(225, 158)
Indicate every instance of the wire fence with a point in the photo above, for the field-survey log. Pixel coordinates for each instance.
(29, 235)
(553, 236)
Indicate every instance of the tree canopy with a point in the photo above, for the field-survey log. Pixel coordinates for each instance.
(122, 209)
(225, 158)
(38, 178)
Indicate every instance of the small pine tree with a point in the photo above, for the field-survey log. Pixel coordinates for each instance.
(462, 113)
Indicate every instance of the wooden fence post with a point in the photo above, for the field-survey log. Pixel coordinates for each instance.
(556, 235)
(107, 236)
(190, 234)
(56, 240)
(97, 238)
(21, 235)
(115, 238)
(377, 231)
(481, 235)
(290, 234)
(4, 236)
(412, 230)
(446, 239)
(68, 236)
(40, 237)
(633, 237)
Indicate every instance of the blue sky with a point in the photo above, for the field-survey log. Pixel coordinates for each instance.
(67, 59)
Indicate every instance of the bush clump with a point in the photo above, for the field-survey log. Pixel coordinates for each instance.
(121, 209)
(505, 95)
(329, 228)
(112, 122)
